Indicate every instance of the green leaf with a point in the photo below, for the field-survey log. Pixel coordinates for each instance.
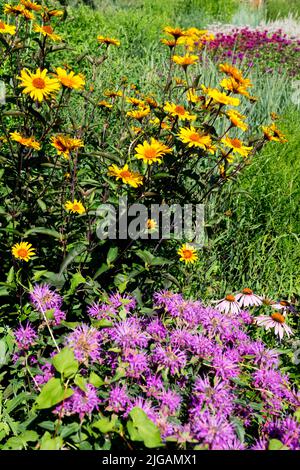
(43, 231)
(2, 352)
(106, 425)
(112, 255)
(275, 444)
(49, 443)
(65, 362)
(52, 393)
(10, 276)
(95, 380)
(20, 442)
(141, 428)
(103, 268)
(77, 279)
(120, 281)
(80, 382)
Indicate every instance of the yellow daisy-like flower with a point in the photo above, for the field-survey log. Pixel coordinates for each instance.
(7, 28)
(230, 84)
(220, 97)
(151, 153)
(187, 253)
(127, 176)
(75, 207)
(23, 251)
(273, 133)
(236, 74)
(65, 144)
(138, 114)
(47, 31)
(105, 104)
(151, 225)
(13, 9)
(237, 146)
(192, 97)
(38, 85)
(169, 42)
(108, 41)
(70, 80)
(136, 102)
(175, 32)
(185, 60)
(112, 93)
(194, 138)
(151, 102)
(31, 5)
(179, 111)
(237, 119)
(47, 14)
(26, 141)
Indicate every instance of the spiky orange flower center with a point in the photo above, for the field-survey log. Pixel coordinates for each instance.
(278, 317)
(180, 110)
(194, 137)
(284, 303)
(48, 29)
(67, 81)
(39, 83)
(247, 291)
(230, 298)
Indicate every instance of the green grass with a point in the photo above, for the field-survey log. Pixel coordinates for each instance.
(282, 8)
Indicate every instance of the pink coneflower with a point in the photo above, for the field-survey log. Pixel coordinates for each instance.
(276, 321)
(281, 305)
(228, 305)
(246, 298)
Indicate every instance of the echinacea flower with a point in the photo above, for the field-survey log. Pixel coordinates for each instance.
(237, 146)
(108, 41)
(65, 144)
(151, 152)
(38, 85)
(281, 305)
(178, 111)
(276, 321)
(29, 142)
(187, 253)
(194, 138)
(127, 176)
(47, 31)
(228, 305)
(247, 298)
(75, 207)
(23, 251)
(185, 60)
(7, 28)
(70, 80)
(272, 133)
(25, 336)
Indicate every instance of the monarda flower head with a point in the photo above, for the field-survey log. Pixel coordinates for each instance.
(85, 342)
(25, 336)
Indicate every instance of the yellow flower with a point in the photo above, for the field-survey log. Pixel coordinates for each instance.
(18, 10)
(151, 225)
(31, 5)
(236, 74)
(175, 32)
(65, 144)
(112, 93)
(7, 28)
(108, 41)
(152, 152)
(192, 97)
(194, 138)
(185, 60)
(75, 207)
(273, 133)
(38, 84)
(70, 80)
(179, 112)
(230, 84)
(105, 104)
(187, 253)
(26, 141)
(237, 119)
(136, 102)
(47, 31)
(139, 114)
(49, 13)
(151, 102)
(23, 251)
(132, 178)
(169, 42)
(220, 97)
(237, 146)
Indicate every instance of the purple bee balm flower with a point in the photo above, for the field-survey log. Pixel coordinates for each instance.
(233, 444)
(137, 363)
(129, 334)
(81, 402)
(166, 299)
(127, 301)
(118, 399)
(180, 338)
(217, 396)
(170, 402)
(25, 336)
(85, 342)
(173, 359)
(213, 430)
(263, 357)
(260, 444)
(145, 405)
(101, 311)
(153, 387)
(286, 430)
(226, 365)
(43, 298)
(201, 346)
(58, 316)
(48, 372)
(157, 330)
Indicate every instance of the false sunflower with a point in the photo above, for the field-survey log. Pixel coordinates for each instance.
(38, 85)
(127, 176)
(237, 146)
(75, 207)
(47, 31)
(65, 144)
(179, 112)
(70, 80)
(23, 251)
(151, 152)
(7, 28)
(187, 253)
(25, 141)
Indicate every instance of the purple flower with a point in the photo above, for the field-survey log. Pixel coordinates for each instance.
(216, 397)
(129, 334)
(170, 401)
(101, 311)
(145, 405)
(48, 372)
(127, 301)
(153, 386)
(25, 336)
(81, 402)
(157, 330)
(43, 298)
(213, 430)
(118, 399)
(173, 359)
(137, 363)
(85, 342)
(226, 365)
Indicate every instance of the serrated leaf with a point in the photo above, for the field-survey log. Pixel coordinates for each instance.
(65, 363)
(52, 393)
